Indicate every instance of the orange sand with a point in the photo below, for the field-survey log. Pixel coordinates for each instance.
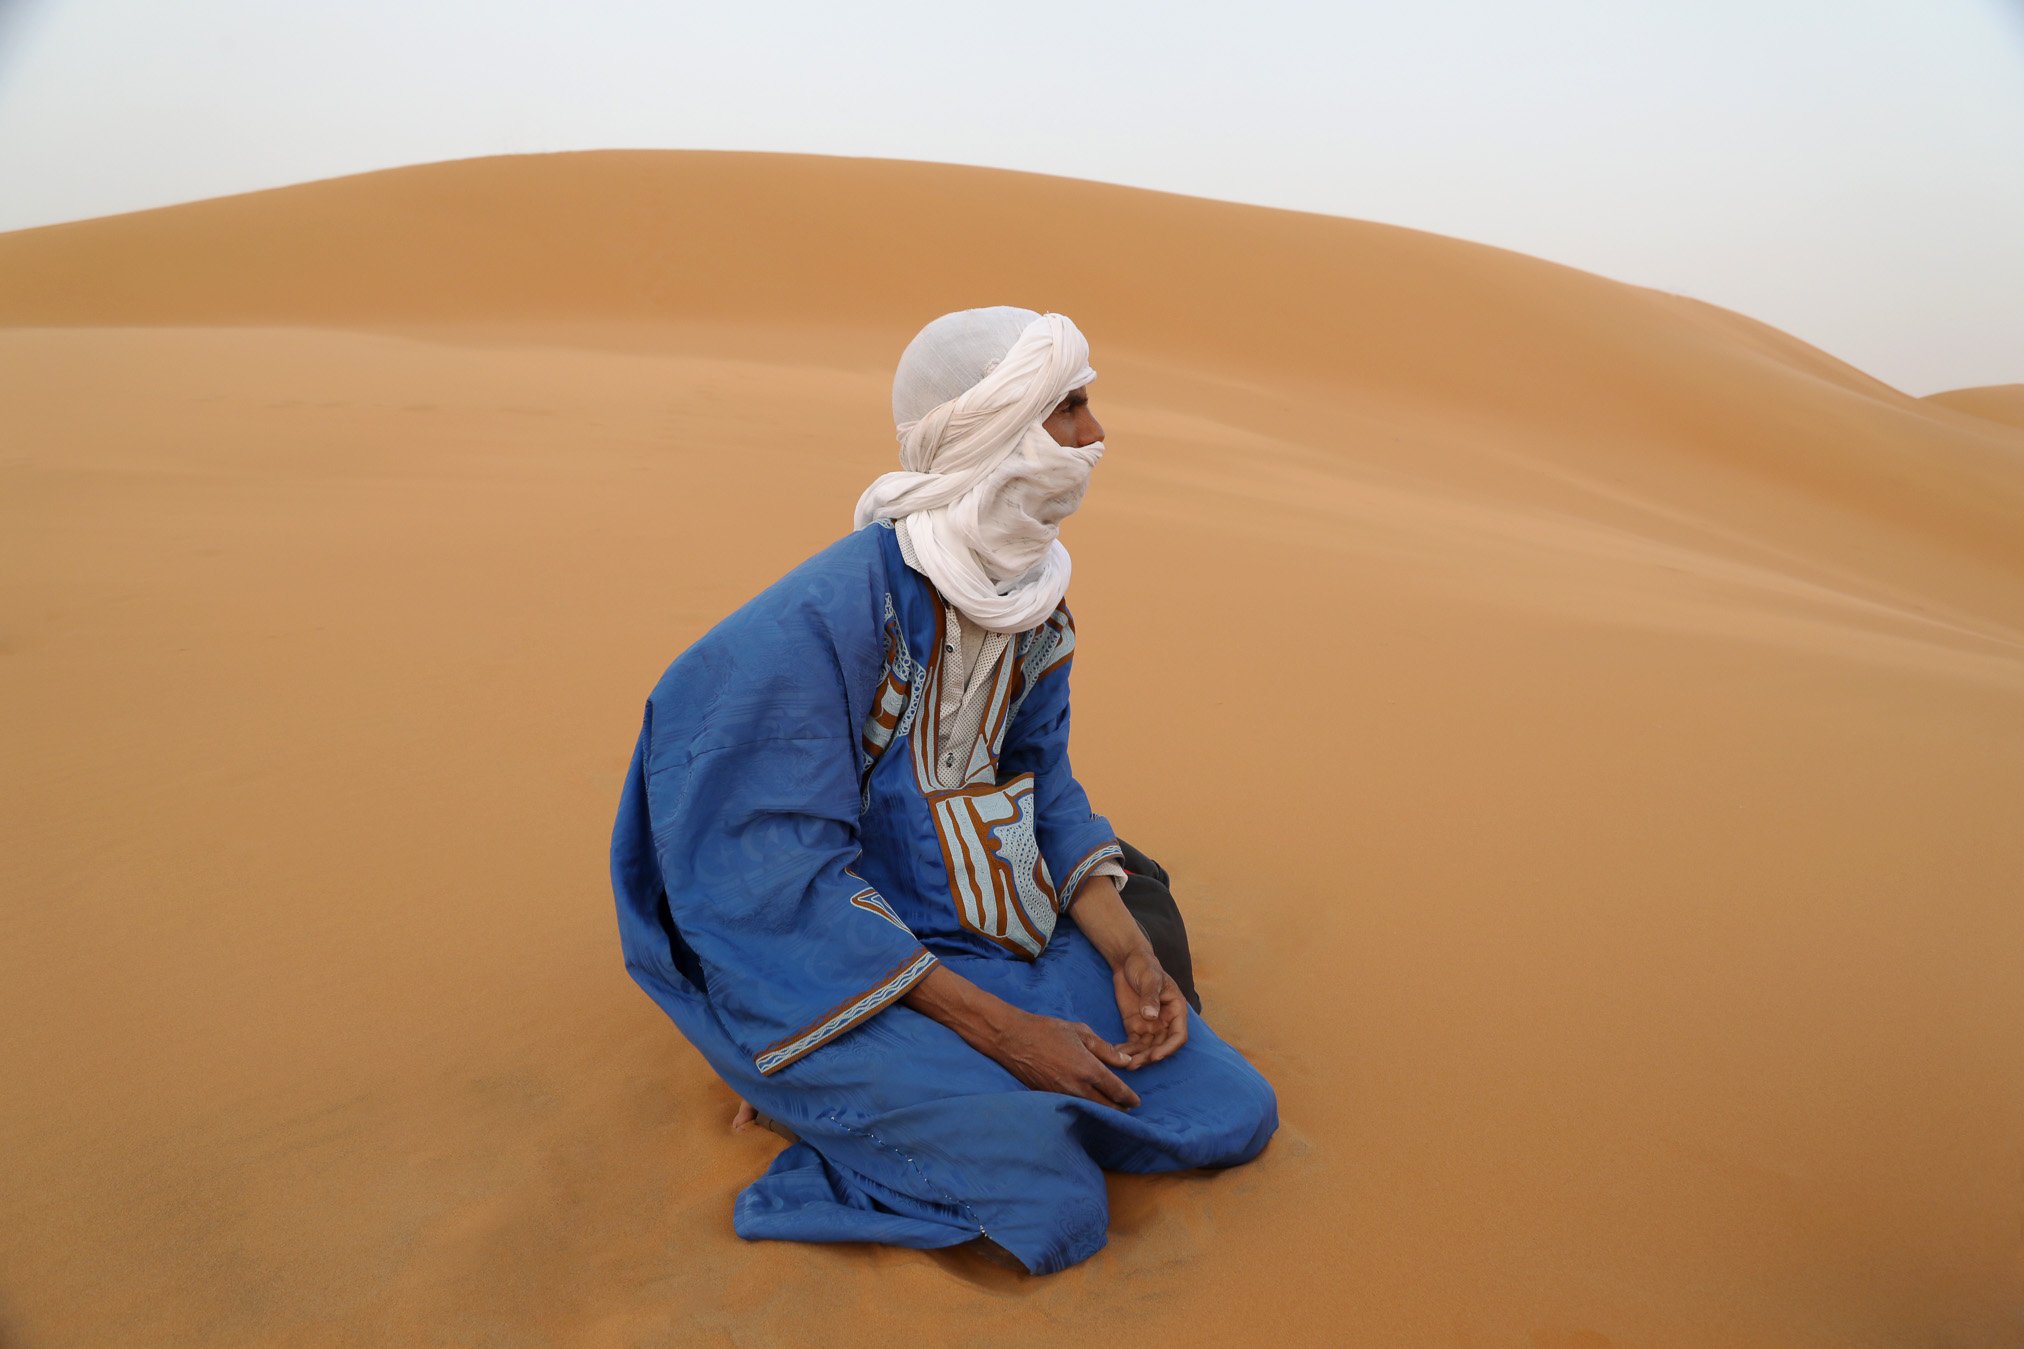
(1997, 402)
(1586, 728)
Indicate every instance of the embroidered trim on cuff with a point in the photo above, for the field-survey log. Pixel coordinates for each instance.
(845, 1015)
(1101, 853)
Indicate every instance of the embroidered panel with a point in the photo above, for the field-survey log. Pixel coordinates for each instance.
(1041, 652)
(997, 877)
(982, 766)
(925, 730)
(871, 901)
(892, 706)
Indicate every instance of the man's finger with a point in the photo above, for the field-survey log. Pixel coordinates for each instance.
(1174, 1033)
(1104, 1050)
(1151, 979)
(1112, 1089)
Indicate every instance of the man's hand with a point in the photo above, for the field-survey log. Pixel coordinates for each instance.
(1154, 1012)
(1049, 1054)
(1044, 1052)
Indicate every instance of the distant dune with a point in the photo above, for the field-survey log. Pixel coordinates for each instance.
(1586, 728)
(1997, 402)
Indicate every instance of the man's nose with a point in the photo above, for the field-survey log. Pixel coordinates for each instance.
(1088, 430)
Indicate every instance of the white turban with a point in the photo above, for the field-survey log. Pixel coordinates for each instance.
(983, 488)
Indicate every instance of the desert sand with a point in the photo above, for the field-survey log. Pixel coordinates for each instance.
(1997, 402)
(1586, 728)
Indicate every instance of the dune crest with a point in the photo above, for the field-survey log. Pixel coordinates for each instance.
(2002, 403)
(1586, 728)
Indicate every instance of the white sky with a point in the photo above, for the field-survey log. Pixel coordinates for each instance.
(1848, 170)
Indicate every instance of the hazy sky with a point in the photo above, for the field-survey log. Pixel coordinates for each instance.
(1852, 172)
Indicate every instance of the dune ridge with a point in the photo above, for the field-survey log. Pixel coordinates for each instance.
(638, 241)
(1586, 727)
(2002, 403)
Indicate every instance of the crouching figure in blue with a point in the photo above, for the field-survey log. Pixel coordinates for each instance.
(853, 865)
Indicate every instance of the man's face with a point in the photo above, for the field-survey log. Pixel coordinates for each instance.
(1072, 423)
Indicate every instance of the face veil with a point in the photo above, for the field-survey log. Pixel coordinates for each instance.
(983, 487)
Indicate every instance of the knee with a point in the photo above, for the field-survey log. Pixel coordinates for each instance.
(1267, 1118)
(1258, 1118)
(1253, 1110)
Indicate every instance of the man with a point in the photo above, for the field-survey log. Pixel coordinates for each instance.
(850, 835)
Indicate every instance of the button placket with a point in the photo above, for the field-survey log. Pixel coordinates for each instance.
(952, 677)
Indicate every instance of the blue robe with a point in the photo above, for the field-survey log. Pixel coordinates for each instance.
(788, 865)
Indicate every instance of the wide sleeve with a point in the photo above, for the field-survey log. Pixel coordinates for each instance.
(1074, 839)
(755, 842)
(741, 816)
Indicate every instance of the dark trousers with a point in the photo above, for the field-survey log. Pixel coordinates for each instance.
(1147, 896)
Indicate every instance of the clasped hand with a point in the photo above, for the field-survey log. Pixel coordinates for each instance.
(1047, 1053)
(1069, 1057)
(1050, 1054)
(1154, 1012)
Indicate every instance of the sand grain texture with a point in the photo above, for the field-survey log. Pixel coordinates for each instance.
(1586, 728)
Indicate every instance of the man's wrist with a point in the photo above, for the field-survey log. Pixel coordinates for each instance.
(1141, 948)
(1107, 923)
(999, 1025)
(1110, 927)
(1099, 884)
(1123, 946)
(982, 1020)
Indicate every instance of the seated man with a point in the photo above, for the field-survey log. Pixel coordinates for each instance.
(850, 834)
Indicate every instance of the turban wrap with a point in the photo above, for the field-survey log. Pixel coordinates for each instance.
(982, 486)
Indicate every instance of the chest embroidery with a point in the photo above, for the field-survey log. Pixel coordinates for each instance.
(998, 881)
(997, 876)
(892, 706)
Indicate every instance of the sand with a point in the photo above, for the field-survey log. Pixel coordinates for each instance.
(1997, 402)
(1586, 728)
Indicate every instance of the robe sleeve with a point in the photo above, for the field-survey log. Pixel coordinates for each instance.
(1074, 839)
(746, 784)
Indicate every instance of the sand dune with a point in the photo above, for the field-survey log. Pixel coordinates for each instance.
(1996, 402)
(1586, 728)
